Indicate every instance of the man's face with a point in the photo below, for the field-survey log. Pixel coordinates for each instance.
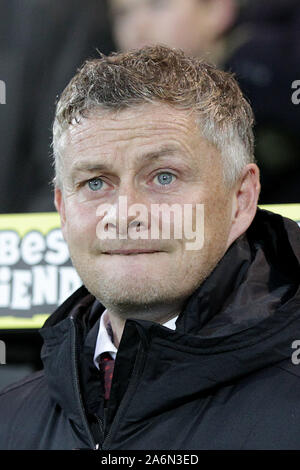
(176, 23)
(150, 154)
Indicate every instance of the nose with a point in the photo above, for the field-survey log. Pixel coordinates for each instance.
(132, 216)
(127, 216)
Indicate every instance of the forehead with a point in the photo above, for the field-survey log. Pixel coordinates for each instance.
(125, 137)
(142, 123)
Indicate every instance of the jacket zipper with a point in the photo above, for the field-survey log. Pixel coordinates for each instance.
(139, 360)
(94, 445)
(127, 396)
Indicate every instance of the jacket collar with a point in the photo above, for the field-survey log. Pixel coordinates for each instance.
(258, 275)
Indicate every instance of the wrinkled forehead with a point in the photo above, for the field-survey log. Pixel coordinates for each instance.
(147, 121)
(130, 134)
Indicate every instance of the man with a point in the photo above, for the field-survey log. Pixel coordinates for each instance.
(200, 322)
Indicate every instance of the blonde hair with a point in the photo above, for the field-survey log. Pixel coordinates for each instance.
(158, 73)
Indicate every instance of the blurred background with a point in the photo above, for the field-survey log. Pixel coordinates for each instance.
(43, 42)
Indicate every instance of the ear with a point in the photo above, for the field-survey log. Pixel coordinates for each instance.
(245, 200)
(60, 207)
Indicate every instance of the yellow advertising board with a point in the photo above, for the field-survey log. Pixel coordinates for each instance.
(36, 273)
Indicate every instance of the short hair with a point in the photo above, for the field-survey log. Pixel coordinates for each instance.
(162, 74)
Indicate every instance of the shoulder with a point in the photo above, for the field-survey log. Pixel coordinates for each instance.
(280, 385)
(273, 389)
(273, 403)
(291, 368)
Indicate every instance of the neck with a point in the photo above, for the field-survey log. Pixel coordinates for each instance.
(118, 322)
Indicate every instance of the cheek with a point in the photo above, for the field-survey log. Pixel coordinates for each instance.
(81, 222)
(217, 222)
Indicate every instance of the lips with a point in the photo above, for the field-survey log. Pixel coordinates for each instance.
(129, 252)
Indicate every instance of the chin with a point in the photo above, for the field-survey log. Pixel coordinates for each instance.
(128, 293)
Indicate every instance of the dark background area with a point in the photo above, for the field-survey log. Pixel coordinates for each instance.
(42, 43)
(22, 354)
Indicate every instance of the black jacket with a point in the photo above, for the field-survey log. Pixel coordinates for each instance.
(223, 380)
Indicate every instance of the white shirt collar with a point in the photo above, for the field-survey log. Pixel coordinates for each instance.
(104, 341)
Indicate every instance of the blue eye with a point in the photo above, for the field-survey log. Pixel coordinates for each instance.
(165, 178)
(95, 184)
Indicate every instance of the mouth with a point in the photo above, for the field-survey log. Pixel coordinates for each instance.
(130, 252)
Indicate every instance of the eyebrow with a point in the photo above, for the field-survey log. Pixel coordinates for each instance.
(148, 156)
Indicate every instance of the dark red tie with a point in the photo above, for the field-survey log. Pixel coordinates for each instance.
(106, 365)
